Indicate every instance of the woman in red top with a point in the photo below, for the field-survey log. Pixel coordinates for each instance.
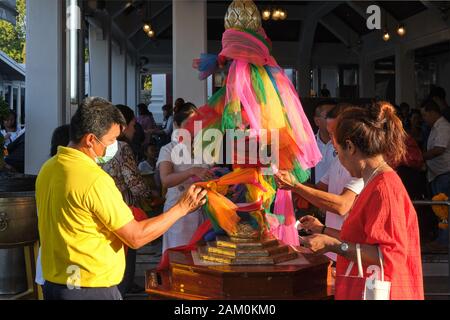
(383, 215)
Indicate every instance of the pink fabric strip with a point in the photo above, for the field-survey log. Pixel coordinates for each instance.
(283, 206)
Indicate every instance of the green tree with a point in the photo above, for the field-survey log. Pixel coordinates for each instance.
(12, 38)
(148, 82)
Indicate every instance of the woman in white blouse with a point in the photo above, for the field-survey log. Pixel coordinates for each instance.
(177, 178)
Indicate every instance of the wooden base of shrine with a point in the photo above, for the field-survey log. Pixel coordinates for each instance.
(186, 280)
(235, 251)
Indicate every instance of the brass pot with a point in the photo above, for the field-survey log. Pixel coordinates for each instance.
(18, 219)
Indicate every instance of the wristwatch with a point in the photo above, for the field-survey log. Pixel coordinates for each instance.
(344, 247)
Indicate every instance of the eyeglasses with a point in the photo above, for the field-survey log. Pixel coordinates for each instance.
(100, 141)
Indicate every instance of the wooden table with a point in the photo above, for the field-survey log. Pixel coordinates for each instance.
(185, 280)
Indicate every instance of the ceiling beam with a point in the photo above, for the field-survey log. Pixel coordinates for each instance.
(361, 8)
(160, 31)
(100, 19)
(154, 16)
(436, 9)
(337, 27)
(160, 23)
(316, 10)
(294, 11)
(116, 8)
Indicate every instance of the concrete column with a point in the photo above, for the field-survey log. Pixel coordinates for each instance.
(45, 81)
(405, 81)
(304, 80)
(131, 83)
(189, 41)
(100, 58)
(366, 78)
(118, 78)
(304, 57)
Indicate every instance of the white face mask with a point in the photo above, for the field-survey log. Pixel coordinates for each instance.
(110, 152)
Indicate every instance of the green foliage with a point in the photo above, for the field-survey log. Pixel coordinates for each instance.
(86, 54)
(148, 82)
(12, 38)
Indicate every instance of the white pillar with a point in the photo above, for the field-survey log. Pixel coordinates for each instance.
(404, 77)
(131, 83)
(118, 76)
(366, 78)
(45, 81)
(99, 61)
(189, 41)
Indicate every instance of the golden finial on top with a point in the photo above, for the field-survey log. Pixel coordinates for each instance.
(243, 14)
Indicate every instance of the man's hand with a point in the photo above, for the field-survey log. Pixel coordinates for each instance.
(192, 199)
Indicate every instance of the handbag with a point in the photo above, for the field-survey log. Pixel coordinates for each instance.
(359, 288)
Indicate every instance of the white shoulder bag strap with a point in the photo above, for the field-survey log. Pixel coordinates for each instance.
(380, 257)
(359, 262)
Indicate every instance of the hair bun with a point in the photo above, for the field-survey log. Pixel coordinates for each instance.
(381, 111)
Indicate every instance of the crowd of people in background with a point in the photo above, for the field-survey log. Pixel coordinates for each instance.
(425, 168)
(139, 162)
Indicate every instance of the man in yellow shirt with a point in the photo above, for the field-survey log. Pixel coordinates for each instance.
(83, 220)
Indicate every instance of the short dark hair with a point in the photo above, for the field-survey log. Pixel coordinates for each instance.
(95, 115)
(60, 137)
(167, 107)
(10, 113)
(328, 102)
(184, 112)
(127, 112)
(143, 109)
(338, 109)
(404, 105)
(431, 106)
(179, 101)
(178, 104)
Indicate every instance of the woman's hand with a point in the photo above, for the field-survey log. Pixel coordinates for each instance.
(319, 243)
(192, 199)
(285, 180)
(311, 223)
(203, 174)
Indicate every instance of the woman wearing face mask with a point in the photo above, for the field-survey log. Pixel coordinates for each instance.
(177, 177)
(119, 162)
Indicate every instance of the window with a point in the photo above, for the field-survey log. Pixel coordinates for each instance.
(8, 94)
